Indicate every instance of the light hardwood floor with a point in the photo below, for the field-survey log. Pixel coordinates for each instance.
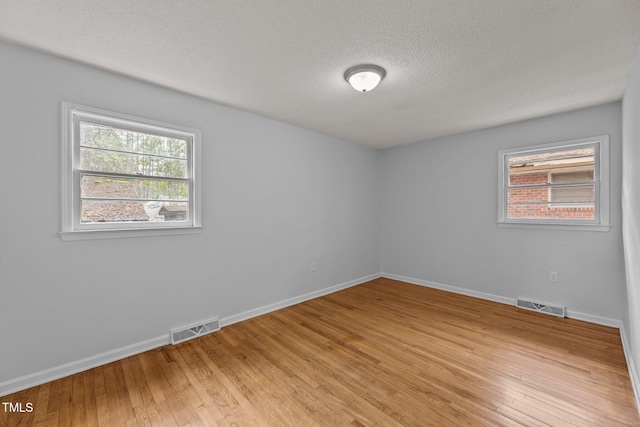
(383, 353)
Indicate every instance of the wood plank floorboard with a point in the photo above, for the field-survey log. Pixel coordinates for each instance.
(384, 353)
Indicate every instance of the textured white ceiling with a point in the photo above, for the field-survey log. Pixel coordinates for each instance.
(452, 65)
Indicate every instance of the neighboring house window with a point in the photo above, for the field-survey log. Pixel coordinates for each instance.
(559, 184)
(126, 176)
(577, 193)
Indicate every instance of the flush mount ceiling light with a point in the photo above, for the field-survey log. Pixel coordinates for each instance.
(364, 78)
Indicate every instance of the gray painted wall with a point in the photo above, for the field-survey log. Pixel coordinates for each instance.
(439, 213)
(275, 197)
(631, 210)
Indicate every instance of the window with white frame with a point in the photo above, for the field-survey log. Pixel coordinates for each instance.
(560, 184)
(127, 176)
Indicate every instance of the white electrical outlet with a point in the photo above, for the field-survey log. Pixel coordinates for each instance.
(553, 276)
(312, 266)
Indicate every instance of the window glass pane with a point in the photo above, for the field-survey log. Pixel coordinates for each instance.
(110, 138)
(572, 194)
(571, 177)
(129, 163)
(132, 188)
(545, 211)
(528, 178)
(528, 195)
(93, 211)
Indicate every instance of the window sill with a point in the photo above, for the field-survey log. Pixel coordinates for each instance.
(552, 226)
(125, 233)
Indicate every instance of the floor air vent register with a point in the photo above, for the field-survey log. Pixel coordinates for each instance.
(541, 307)
(194, 331)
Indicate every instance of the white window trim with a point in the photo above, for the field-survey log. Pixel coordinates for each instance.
(602, 222)
(69, 229)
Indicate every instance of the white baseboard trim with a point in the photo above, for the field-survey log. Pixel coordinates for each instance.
(591, 318)
(454, 289)
(229, 320)
(633, 373)
(57, 372)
